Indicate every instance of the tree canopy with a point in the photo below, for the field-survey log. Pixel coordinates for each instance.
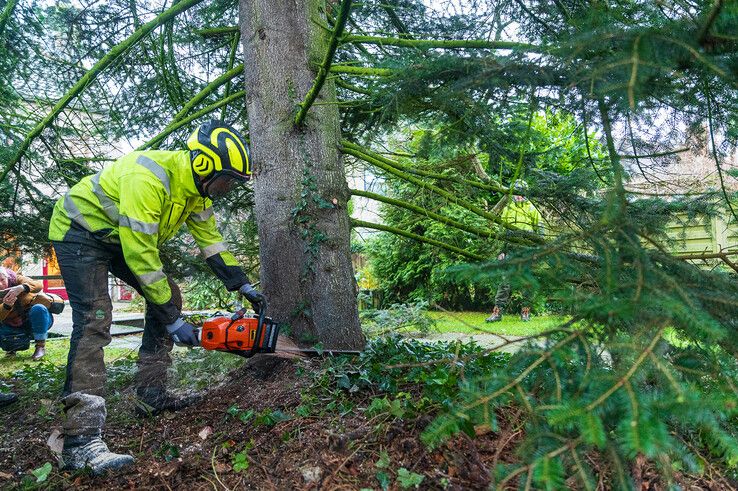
(572, 97)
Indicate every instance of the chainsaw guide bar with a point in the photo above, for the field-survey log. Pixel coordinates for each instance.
(311, 352)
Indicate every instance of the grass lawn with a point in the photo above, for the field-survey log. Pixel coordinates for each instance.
(511, 325)
(56, 354)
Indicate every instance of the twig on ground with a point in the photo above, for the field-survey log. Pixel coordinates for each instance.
(215, 472)
(335, 472)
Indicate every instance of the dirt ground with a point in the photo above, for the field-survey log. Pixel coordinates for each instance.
(196, 448)
(213, 446)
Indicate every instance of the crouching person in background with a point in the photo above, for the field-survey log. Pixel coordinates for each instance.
(26, 313)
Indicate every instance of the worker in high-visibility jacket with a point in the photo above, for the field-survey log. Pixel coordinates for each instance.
(524, 216)
(114, 222)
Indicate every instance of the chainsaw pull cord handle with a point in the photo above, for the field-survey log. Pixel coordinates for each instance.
(259, 329)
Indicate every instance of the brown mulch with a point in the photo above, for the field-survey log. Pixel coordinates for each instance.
(335, 452)
(194, 449)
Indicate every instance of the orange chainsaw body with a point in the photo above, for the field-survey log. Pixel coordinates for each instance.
(239, 335)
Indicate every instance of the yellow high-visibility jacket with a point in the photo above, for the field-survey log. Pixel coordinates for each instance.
(523, 215)
(139, 202)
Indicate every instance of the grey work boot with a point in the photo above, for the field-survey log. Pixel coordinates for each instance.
(90, 451)
(7, 399)
(151, 401)
(496, 315)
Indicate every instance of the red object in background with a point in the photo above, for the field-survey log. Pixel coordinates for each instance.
(51, 268)
(125, 293)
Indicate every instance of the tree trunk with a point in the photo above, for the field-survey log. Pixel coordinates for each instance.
(300, 186)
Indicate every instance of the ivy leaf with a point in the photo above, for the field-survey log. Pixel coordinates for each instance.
(377, 406)
(240, 462)
(245, 416)
(343, 381)
(408, 479)
(42, 473)
(383, 461)
(384, 480)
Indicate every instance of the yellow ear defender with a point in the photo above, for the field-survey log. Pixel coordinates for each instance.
(203, 165)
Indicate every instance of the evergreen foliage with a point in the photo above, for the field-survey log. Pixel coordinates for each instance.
(647, 365)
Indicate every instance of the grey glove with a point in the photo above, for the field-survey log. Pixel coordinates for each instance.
(257, 300)
(183, 333)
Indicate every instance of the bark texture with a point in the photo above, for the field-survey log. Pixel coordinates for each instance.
(300, 186)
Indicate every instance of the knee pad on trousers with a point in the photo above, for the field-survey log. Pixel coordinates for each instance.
(85, 414)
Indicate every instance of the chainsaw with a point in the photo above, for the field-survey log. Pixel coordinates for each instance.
(246, 334)
(238, 334)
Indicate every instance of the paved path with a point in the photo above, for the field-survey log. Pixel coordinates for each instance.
(507, 344)
(132, 322)
(126, 328)
(63, 325)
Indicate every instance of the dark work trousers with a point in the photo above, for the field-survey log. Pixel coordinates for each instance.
(502, 298)
(503, 295)
(85, 262)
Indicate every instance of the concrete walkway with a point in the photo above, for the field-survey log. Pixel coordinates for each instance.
(123, 323)
(126, 329)
(496, 342)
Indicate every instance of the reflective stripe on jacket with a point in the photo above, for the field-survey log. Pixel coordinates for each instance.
(139, 202)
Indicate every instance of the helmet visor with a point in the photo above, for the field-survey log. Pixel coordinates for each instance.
(220, 185)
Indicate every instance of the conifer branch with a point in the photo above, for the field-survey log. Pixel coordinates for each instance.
(626, 378)
(325, 67)
(361, 71)
(443, 43)
(207, 90)
(544, 356)
(218, 31)
(617, 169)
(528, 237)
(6, 14)
(397, 231)
(111, 56)
(722, 255)
(586, 143)
(709, 21)
(633, 73)
(353, 88)
(174, 126)
(479, 232)
(713, 152)
(536, 18)
(397, 22)
(231, 63)
(550, 455)
(169, 35)
(699, 57)
(654, 155)
(497, 347)
(491, 185)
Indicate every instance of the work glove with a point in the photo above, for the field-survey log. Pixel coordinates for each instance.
(183, 333)
(257, 300)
